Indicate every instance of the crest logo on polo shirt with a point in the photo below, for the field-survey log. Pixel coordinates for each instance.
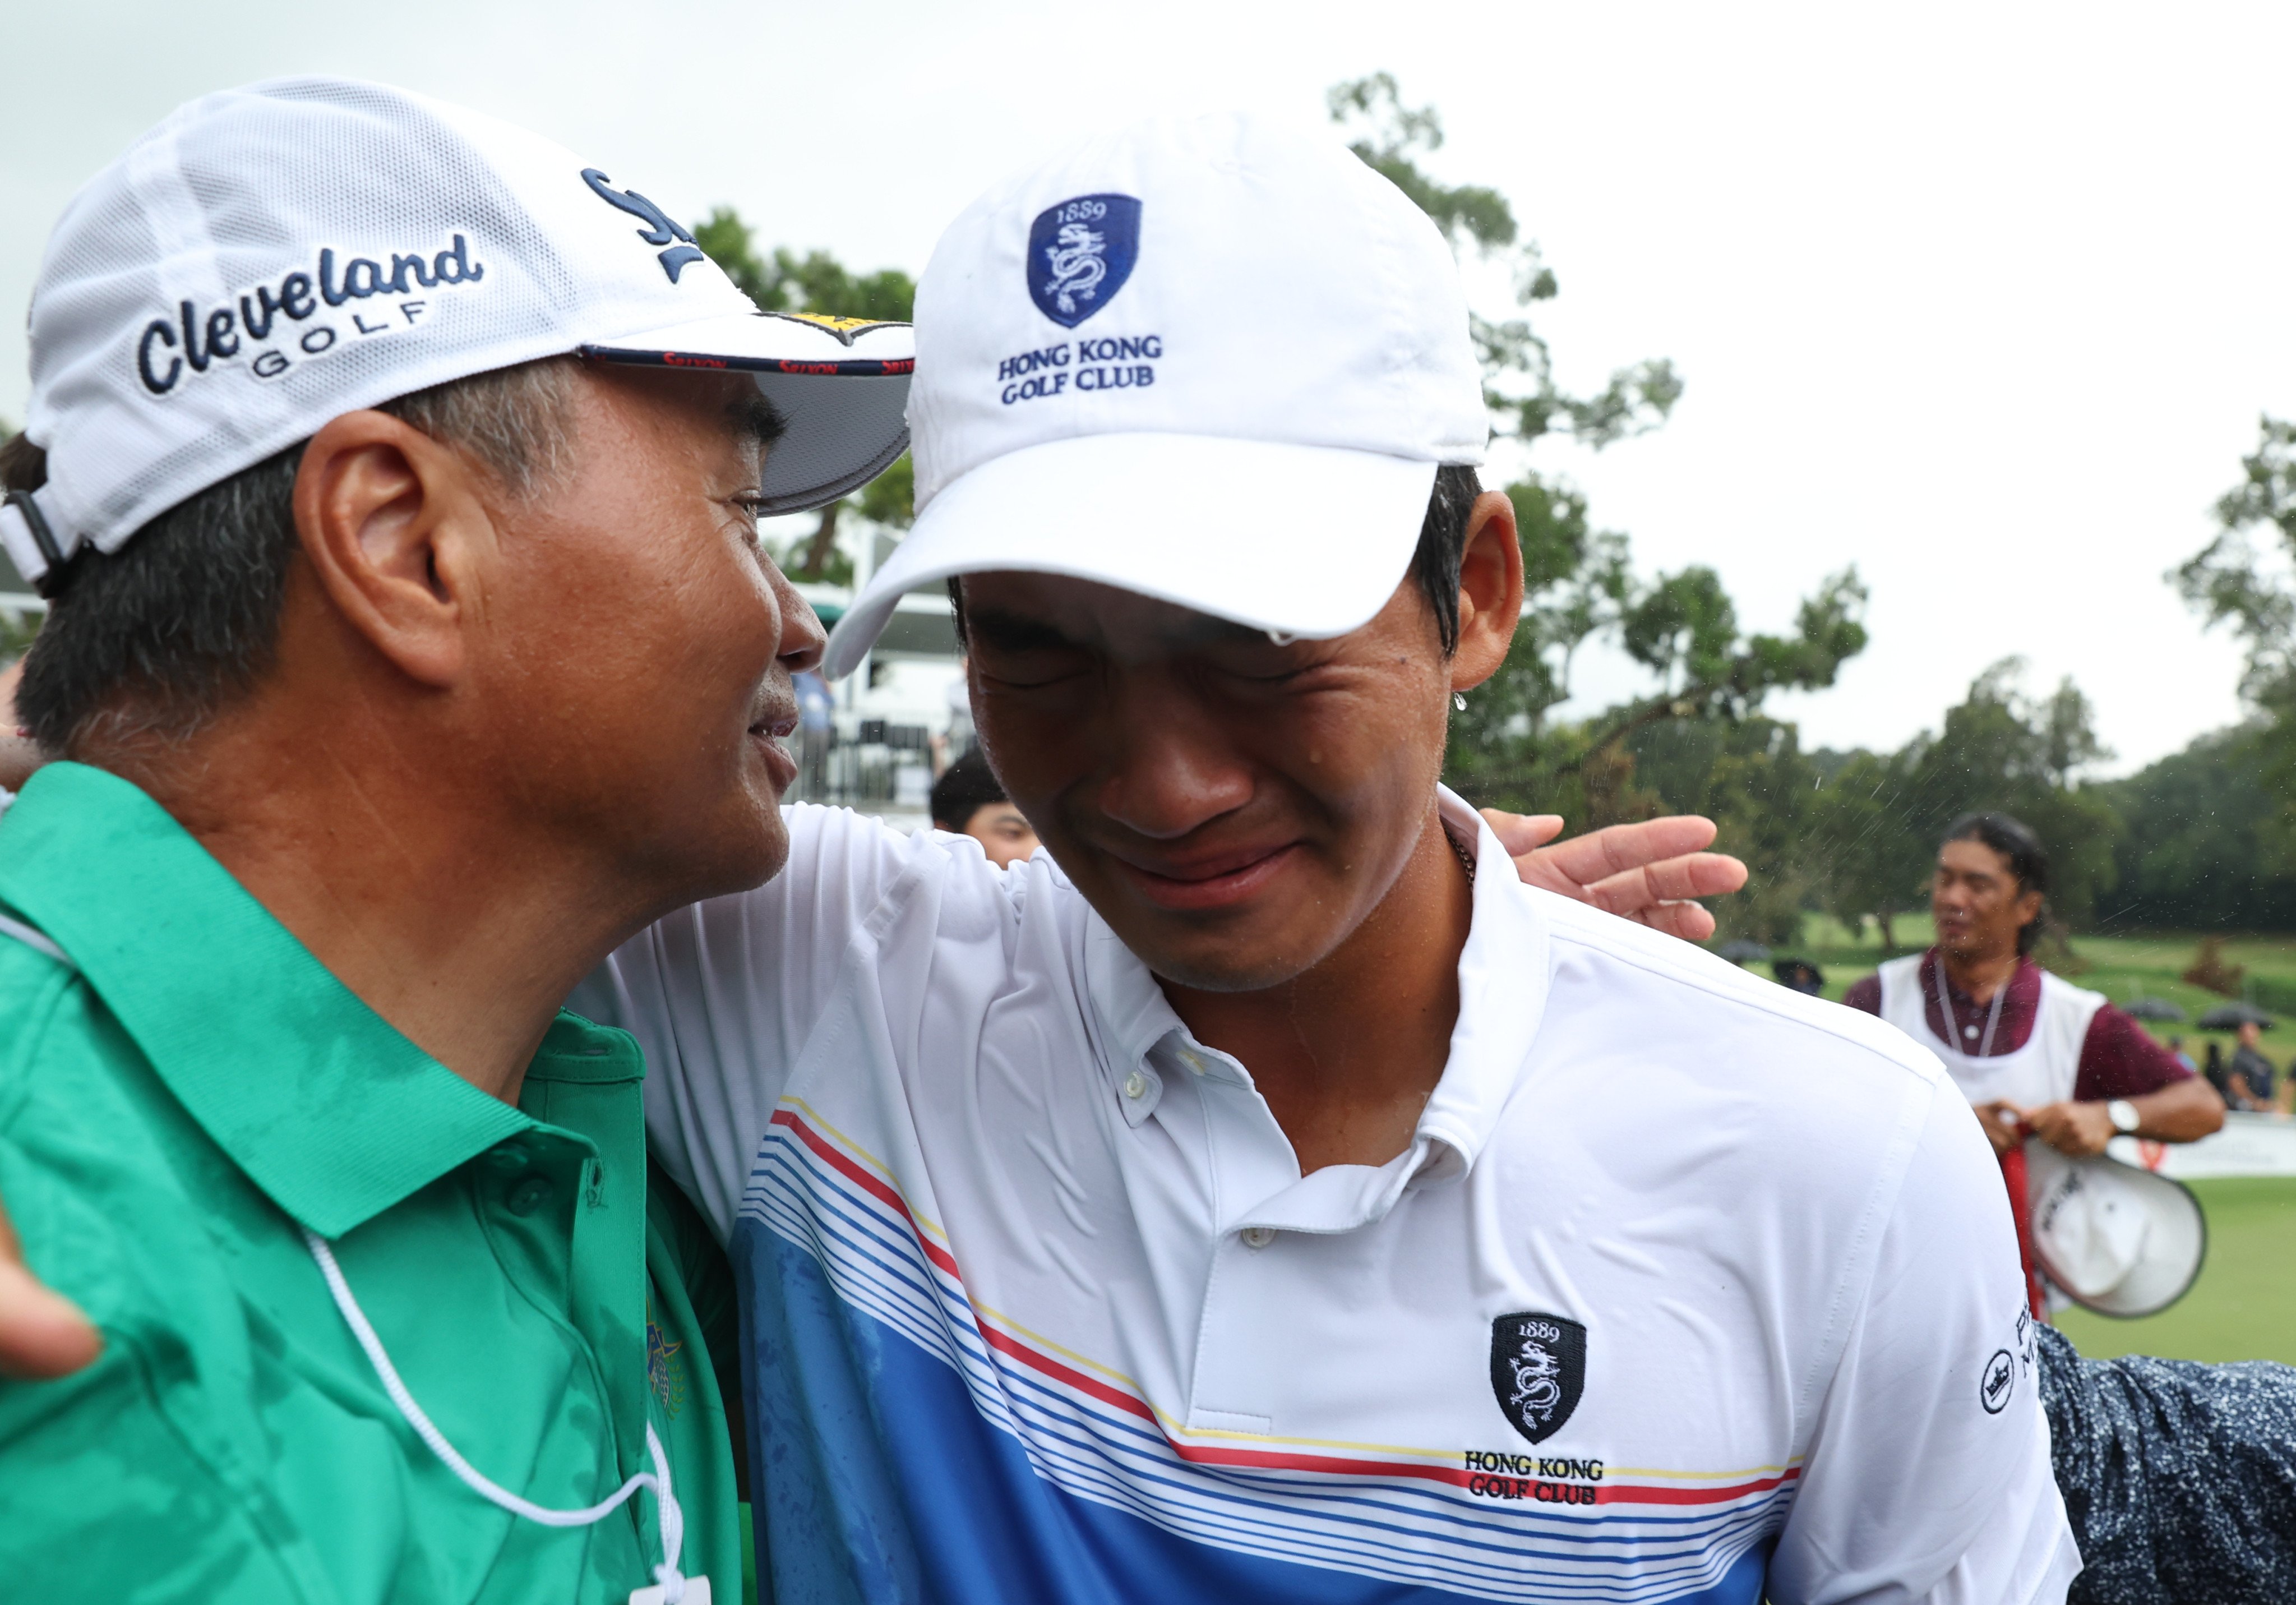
(1080, 252)
(1538, 1368)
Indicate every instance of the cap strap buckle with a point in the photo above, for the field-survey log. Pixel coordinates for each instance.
(49, 580)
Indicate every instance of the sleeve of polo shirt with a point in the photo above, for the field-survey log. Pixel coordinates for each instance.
(2120, 1059)
(721, 995)
(105, 1493)
(1927, 1475)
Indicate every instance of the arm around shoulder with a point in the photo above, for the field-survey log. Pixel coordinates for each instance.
(723, 994)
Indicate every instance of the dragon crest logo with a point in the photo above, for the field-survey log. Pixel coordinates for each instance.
(1080, 252)
(1538, 1368)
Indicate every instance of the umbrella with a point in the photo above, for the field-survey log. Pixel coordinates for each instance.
(2232, 1017)
(2155, 1008)
(1743, 951)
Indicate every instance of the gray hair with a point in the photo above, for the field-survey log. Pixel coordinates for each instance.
(148, 643)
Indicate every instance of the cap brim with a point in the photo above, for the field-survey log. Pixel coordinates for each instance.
(1303, 540)
(842, 386)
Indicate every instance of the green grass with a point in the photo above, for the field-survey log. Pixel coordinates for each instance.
(2242, 1307)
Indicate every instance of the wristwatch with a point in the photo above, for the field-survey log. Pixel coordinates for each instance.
(2123, 1116)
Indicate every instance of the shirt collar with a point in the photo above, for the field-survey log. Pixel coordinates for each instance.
(1502, 985)
(328, 1109)
(2026, 978)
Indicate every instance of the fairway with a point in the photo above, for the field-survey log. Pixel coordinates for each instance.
(2243, 1307)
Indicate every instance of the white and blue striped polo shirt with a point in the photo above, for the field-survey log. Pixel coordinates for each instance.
(1688, 1288)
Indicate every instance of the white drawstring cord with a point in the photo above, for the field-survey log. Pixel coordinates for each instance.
(673, 1519)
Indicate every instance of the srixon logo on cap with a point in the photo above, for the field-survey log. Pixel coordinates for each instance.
(193, 339)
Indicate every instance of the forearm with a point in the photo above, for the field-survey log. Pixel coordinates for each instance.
(2185, 1112)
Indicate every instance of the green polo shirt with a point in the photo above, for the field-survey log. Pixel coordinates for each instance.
(176, 1101)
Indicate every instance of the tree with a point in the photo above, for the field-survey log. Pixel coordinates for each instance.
(1751, 778)
(1877, 823)
(817, 281)
(2231, 581)
(2200, 849)
(1518, 372)
(1683, 629)
(1861, 857)
(1579, 581)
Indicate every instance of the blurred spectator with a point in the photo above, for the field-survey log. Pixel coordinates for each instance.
(815, 732)
(968, 800)
(2039, 1058)
(1800, 975)
(2212, 1070)
(2177, 1051)
(2249, 1078)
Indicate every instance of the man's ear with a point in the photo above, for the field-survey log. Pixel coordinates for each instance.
(394, 527)
(1490, 591)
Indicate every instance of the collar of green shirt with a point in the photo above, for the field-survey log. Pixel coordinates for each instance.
(319, 1099)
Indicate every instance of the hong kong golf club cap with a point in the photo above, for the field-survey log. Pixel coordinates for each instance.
(2119, 1240)
(1212, 360)
(270, 258)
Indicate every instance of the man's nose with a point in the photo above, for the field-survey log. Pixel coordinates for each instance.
(803, 638)
(1174, 768)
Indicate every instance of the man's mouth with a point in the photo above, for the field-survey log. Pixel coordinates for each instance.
(1205, 881)
(767, 731)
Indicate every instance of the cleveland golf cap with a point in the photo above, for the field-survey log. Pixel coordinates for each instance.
(1210, 359)
(269, 257)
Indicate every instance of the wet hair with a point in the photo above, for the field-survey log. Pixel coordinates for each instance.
(2022, 851)
(1434, 562)
(964, 788)
(150, 641)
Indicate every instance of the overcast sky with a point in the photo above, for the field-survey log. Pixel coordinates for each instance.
(1984, 299)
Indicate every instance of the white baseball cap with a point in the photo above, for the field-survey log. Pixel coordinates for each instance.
(1210, 359)
(2119, 1240)
(270, 258)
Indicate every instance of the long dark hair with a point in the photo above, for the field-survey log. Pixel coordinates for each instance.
(2028, 861)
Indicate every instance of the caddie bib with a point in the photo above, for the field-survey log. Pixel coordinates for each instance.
(2044, 1070)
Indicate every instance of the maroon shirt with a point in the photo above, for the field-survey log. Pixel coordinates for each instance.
(2118, 1060)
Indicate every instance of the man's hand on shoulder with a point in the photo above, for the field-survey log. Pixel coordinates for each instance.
(41, 1334)
(1647, 872)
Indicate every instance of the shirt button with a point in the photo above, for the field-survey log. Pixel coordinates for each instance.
(1136, 1086)
(507, 1158)
(1192, 1061)
(527, 1197)
(1257, 1237)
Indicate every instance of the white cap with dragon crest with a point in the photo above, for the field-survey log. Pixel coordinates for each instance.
(269, 257)
(1209, 359)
